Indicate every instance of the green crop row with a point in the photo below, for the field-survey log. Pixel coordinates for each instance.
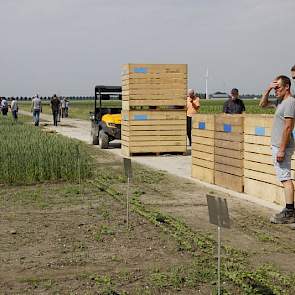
(29, 155)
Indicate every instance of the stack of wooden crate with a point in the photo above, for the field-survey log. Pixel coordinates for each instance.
(260, 179)
(217, 150)
(153, 108)
(203, 131)
(229, 145)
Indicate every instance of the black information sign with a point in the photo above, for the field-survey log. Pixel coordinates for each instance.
(127, 168)
(218, 211)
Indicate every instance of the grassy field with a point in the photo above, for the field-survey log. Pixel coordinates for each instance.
(27, 155)
(81, 109)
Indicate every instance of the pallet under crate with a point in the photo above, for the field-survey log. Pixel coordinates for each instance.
(153, 132)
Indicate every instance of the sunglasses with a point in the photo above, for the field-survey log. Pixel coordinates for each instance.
(293, 78)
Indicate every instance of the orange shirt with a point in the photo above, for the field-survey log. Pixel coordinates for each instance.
(192, 106)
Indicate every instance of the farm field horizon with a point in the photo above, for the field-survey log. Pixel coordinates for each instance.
(81, 109)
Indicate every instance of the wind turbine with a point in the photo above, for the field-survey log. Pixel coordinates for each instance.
(206, 77)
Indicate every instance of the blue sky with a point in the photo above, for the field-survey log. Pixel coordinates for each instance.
(68, 46)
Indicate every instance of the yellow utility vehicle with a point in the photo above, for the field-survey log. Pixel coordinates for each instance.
(106, 118)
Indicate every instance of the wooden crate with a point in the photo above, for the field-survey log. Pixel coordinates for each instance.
(153, 131)
(228, 148)
(259, 174)
(203, 128)
(154, 85)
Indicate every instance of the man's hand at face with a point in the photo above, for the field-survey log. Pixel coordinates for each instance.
(280, 156)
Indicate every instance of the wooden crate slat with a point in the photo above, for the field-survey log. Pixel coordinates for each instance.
(149, 138)
(154, 115)
(127, 104)
(204, 140)
(155, 127)
(265, 191)
(229, 145)
(229, 169)
(228, 161)
(202, 163)
(260, 167)
(157, 149)
(254, 157)
(236, 154)
(233, 137)
(261, 177)
(203, 148)
(258, 121)
(203, 174)
(260, 140)
(154, 132)
(229, 181)
(202, 155)
(155, 92)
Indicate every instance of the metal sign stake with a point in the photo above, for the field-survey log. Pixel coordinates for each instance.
(127, 205)
(219, 260)
(218, 215)
(128, 174)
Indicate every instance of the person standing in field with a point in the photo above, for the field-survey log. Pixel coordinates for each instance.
(14, 108)
(55, 107)
(66, 107)
(192, 107)
(36, 109)
(4, 106)
(63, 107)
(282, 142)
(234, 105)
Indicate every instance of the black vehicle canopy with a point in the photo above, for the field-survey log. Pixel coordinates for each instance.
(103, 92)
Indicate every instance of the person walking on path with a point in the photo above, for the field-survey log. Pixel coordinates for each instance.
(36, 109)
(192, 107)
(14, 108)
(282, 142)
(234, 105)
(55, 107)
(64, 107)
(4, 106)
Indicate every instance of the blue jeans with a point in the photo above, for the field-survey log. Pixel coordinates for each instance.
(36, 117)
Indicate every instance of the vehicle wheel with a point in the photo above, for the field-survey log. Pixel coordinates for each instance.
(95, 140)
(103, 140)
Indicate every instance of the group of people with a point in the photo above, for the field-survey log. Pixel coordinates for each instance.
(234, 105)
(4, 106)
(59, 107)
(282, 138)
